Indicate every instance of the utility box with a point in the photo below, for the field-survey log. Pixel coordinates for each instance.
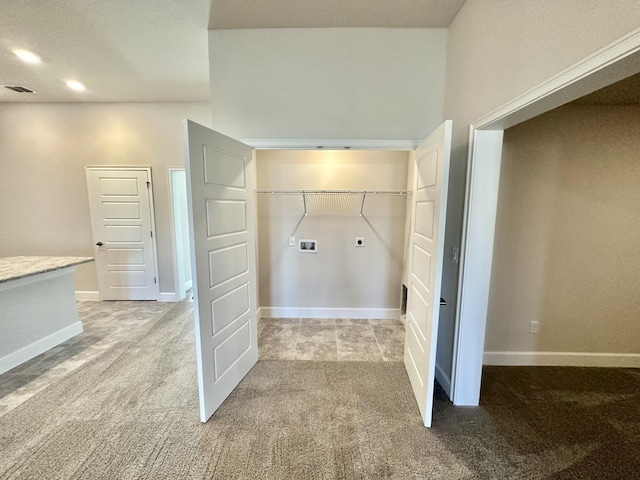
(308, 246)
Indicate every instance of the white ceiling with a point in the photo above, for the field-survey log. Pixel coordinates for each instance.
(122, 50)
(227, 14)
(130, 51)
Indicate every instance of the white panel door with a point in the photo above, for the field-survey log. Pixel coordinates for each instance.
(120, 202)
(429, 207)
(220, 185)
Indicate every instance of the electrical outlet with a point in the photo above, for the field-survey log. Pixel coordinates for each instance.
(533, 326)
(292, 241)
(359, 242)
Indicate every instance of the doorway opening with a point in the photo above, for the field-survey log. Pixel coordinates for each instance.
(222, 181)
(556, 188)
(331, 305)
(609, 65)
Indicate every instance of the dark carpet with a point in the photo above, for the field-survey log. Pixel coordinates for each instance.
(133, 413)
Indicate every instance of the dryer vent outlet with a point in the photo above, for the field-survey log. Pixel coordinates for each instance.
(308, 246)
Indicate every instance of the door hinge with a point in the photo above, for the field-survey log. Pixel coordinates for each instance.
(148, 185)
(151, 232)
(154, 280)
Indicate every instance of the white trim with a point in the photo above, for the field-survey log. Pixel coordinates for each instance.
(304, 312)
(87, 295)
(455, 360)
(443, 379)
(475, 272)
(154, 229)
(168, 297)
(328, 144)
(616, 52)
(563, 359)
(34, 349)
(172, 227)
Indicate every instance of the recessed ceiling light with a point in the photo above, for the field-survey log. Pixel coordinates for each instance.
(75, 85)
(27, 56)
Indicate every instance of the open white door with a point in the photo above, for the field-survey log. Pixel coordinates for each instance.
(220, 184)
(121, 206)
(429, 205)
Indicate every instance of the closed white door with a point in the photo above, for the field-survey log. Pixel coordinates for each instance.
(220, 188)
(120, 201)
(429, 207)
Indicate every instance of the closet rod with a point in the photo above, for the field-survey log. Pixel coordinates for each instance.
(334, 192)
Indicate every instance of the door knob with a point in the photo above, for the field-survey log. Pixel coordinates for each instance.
(99, 244)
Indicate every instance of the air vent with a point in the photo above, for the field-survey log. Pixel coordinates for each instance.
(19, 89)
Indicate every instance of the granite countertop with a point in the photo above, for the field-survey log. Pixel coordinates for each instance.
(12, 268)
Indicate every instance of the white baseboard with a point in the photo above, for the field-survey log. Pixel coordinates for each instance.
(34, 349)
(168, 297)
(302, 312)
(563, 359)
(443, 379)
(87, 295)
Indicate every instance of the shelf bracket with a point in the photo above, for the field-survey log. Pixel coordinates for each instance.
(304, 203)
(364, 196)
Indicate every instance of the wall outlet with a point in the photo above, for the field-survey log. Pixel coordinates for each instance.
(308, 246)
(533, 326)
(292, 241)
(359, 242)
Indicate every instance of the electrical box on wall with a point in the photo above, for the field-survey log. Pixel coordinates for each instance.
(308, 246)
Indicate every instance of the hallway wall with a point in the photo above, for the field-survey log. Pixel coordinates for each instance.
(327, 83)
(44, 148)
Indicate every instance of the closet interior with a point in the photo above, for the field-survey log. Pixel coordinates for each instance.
(349, 209)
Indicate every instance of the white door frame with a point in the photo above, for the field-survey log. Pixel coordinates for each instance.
(178, 275)
(606, 66)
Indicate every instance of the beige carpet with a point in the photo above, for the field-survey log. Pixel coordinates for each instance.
(132, 413)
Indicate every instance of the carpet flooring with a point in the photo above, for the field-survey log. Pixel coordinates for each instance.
(132, 412)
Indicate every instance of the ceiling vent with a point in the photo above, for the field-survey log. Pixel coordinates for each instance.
(19, 89)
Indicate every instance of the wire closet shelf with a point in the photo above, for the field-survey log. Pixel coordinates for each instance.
(343, 202)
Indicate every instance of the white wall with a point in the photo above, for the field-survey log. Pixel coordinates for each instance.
(43, 195)
(567, 248)
(495, 52)
(327, 83)
(339, 275)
